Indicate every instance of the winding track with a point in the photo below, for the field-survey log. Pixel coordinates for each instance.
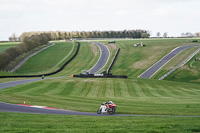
(103, 59)
(157, 66)
(6, 107)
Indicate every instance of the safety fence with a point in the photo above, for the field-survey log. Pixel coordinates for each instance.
(100, 76)
(113, 61)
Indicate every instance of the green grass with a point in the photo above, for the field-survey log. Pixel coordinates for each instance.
(6, 45)
(132, 96)
(23, 123)
(175, 62)
(187, 73)
(138, 96)
(133, 61)
(47, 59)
(85, 60)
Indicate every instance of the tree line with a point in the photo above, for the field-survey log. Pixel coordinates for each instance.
(61, 35)
(27, 44)
(31, 40)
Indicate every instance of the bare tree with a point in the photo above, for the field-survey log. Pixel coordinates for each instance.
(158, 34)
(165, 34)
(13, 37)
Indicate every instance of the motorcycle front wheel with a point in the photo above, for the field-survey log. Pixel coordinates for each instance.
(99, 111)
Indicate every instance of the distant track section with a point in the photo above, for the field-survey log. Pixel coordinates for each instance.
(158, 65)
(103, 59)
(47, 74)
(23, 61)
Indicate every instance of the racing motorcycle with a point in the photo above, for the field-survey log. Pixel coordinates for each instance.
(109, 108)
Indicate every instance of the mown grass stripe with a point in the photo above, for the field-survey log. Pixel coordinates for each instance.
(109, 88)
(131, 89)
(86, 89)
(125, 92)
(152, 90)
(93, 90)
(19, 88)
(35, 88)
(83, 89)
(169, 91)
(163, 92)
(175, 91)
(183, 91)
(138, 90)
(117, 90)
(68, 87)
(145, 90)
(190, 91)
(42, 91)
(102, 90)
(78, 89)
(57, 90)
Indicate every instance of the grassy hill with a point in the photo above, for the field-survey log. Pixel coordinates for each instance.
(137, 96)
(187, 73)
(48, 59)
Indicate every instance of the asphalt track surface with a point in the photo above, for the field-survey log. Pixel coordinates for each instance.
(5, 107)
(15, 83)
(157, 66)
(105, 54)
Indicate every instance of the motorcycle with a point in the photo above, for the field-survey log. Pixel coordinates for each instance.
(109, 108)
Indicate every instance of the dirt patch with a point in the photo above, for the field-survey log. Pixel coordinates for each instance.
(142, 64)
(95, 49)
(112, 46)
(146, 63)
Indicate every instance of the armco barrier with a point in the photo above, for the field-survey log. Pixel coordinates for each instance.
(102, 76)
(47, 74)
(108, 71)
(180, 65)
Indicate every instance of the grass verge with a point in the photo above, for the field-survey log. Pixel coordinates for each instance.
(16, 122)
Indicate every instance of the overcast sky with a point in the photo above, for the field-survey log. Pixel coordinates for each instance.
(172, 16)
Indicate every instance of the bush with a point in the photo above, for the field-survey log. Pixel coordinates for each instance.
(28, 43)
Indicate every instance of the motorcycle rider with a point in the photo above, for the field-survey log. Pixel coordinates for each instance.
(109, 104)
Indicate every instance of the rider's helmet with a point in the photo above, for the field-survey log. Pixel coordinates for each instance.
(110, 102)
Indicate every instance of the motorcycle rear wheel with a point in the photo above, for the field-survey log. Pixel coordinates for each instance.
(112, 112)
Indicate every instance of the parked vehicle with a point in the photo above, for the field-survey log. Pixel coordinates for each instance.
(109, 108)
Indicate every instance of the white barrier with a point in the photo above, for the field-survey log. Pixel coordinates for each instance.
(180, 65)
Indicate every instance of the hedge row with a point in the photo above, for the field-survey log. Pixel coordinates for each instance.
(27, 44)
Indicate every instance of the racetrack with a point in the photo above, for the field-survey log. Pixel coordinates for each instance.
(5, 107)
(103, 59)
(157, 66)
